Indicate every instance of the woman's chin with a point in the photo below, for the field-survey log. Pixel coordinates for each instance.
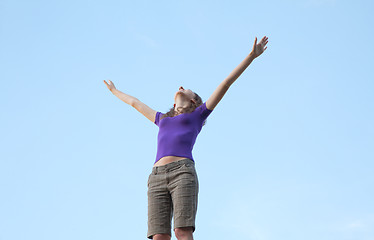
(179, 95)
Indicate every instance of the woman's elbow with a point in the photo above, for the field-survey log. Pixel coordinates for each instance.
(133, 102)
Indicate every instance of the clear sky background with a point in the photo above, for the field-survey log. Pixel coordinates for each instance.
(286, 155)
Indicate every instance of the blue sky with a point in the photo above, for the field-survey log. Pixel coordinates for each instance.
(287, 154)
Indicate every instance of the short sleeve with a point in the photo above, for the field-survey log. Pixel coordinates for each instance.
(204, 111)
(157, 118)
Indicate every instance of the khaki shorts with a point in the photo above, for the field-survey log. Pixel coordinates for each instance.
(172, 192)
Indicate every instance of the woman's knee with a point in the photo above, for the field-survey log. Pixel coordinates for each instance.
(183, 233)
(161, 237)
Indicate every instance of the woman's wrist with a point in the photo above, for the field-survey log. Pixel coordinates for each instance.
(252, 55)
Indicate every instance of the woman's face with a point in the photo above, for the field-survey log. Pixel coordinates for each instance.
(186, 94)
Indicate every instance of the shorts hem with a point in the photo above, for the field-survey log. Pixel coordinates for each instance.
(150, 235)
(185, 226)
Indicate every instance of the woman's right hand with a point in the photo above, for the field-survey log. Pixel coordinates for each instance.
(110, 86)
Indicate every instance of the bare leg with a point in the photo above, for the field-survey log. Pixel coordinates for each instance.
(184, 233)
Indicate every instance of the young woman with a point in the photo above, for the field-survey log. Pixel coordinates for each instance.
(173, 184)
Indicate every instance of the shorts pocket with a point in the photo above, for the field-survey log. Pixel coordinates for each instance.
(189, 167)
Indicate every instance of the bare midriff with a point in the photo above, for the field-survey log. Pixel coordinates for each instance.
(166, 160)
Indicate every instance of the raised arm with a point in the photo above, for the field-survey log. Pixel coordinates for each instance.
(222, 88)
(132, 101)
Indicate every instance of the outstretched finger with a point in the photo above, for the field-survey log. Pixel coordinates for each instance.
(254, 45)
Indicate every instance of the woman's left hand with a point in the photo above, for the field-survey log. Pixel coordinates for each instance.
(259, 48)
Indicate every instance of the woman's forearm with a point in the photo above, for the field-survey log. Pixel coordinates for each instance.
(222, 88)
(230, 79)
(124, 97)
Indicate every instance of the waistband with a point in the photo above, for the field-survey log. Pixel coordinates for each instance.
(171, 166)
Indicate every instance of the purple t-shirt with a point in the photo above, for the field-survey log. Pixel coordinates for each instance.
(177, 135)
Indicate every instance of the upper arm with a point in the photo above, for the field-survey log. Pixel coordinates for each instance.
(217, 95)
(145, 110)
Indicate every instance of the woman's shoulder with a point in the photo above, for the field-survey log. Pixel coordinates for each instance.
(203, 107)
(158, 117)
